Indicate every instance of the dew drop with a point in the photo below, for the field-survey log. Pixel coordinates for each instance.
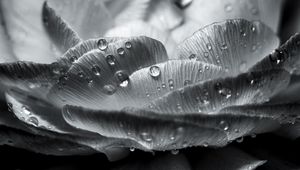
(132, 149)
(102, 44)
(120, 51)
(208, 46)
(224, 46)
(240, 140)
(154, 71)
(223, 91)
(187, 82)
(121, 76)
(124, 83)
(185, 144)
(224, 125)
(33, 121)
(192, 57)
(243, 66)
(111, 60)
(174, 152)
(128, 45)
(243, 33)
(171, 84)
(73, 58)
(253, 28)
(96, 70)
(26, 110)
(80, 74)
(109, 89)
(228, 7)
(146, 137)
(205, 144)
(163, 85)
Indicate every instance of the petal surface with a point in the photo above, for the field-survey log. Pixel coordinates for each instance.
(236, 45)
(29, 39)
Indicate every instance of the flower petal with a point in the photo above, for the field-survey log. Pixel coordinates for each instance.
(164, 15)
(98, 72)
(211, 96)
(286, 56)
(236, 45)
(205, 12)
(26, 32)
(90, 19)
(37, 112)
(228, 158)
(167, 131)
(127, 10)
(60, 32)
(36, 78)
(140, 28)
(5, 48)
(41, 144)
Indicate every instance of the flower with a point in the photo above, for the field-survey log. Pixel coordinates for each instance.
(108, 93)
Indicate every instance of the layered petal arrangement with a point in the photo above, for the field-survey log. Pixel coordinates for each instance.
(93, 85)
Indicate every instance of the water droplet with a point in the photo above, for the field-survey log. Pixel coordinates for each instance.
(185, 144)
(26, 110)
(228, 8)
(224, 46)
(120, 51)
(187, 82)
(243, 66)
(128, 45)
(174, 152)
(33, 121)
(163, 85)
(102, 44)
(121, 76)
(132, 149)
(89, 81)
(236, 131)
(223, 91)
(254, 47)
(111, 60)
(154, 71)
(205, 144)
(96, 70)
(243, 33)
(224, 125)
(73, 58)
(171, 84)
(109, 89)
(253, 28)
(240, 140)
(124, 83)
(208, 46)
(206, 54)
(192, 57)
(146, 137)
(80, 74)
(158, 88)
(206, 67)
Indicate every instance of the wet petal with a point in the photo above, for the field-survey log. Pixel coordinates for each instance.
(5, 48)
(96, 74)
(185, 30)
(60, 32)
(159, 162)
(164, 14)
(37, 112)
(211, 96)
(37, 78)
(286, 56)
(228, 158)
(168, 131)
(140, 28)
(205, 12)
(41, 144)
(25, 29)
(236, 45)
(87, 18)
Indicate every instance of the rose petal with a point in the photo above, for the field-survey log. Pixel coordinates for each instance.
(228, 158)
(60, 32)
(211, 96)
(286, 56)
(94, 75)
(5, 48)
(164, 15)
(36, 78)
(166, 131)
(90, 19)
(127, 10)
(140, 28)
(41, 144)
(37, 112)
(205, 12)
(236, 45)
(30, 41)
